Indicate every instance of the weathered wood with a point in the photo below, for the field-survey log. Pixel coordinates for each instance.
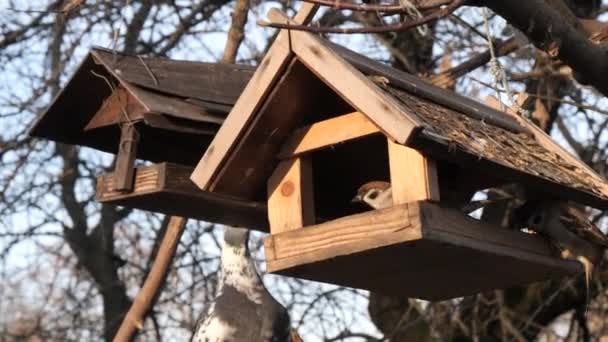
(92, 83)
(413, 176)
(350, 83)
(166, 188)
(545, 140)
(253, 159)
(268, 72)
(441, 253)
(419, 87)
(216, 82)
(290, 196)
(125, 159)
(121, 106)
(171, 124)
(327, 133)
(172, 106)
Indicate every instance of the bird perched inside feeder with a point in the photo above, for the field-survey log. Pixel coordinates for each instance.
(378, 195)
(569, 230)
(243, 309)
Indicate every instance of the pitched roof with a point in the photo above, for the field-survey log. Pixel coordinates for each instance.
(165, 95)
(304, 78)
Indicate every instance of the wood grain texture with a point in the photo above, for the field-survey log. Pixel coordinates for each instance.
(166, 188)
(342, 236)
(125, 159)
(413, 176)
(120, 106)
(216, 82)
(351, 84)
(327, 133)
(417, 249)
(547, 142)
(290, 196)
(251, 99)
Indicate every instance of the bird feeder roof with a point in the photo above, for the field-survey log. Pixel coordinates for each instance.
(304, 79)
(177, 105)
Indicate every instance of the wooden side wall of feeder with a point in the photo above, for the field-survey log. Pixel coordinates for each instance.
(290, 195)
(413, 176)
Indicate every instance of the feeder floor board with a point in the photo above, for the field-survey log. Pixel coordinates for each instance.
(166, 188)
(418, 250)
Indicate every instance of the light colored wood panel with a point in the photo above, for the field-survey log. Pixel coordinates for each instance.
(351, 84)
(327, 133)
(446, 253)
(250, 100)
(413, 176)
(343, 236)
(290, 196)
(547, 142)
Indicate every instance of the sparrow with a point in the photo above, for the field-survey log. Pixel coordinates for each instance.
(378, 195)
(243, 309)
(569, 231)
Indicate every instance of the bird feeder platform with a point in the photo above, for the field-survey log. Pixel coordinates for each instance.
(167, 188)
(416, 249)
(152, 109)
(316, 121)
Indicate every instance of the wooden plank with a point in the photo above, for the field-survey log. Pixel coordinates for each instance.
(171, 124)
(423, 89)
(547, 142)
(290, 196)
(172, 106)
(251, 99)
(413, 176)
(120, 106)
(343, 236)
(125, 159)
(166, 188)
(327, 133)
(351, 84)
(447, 253)
(216, 82)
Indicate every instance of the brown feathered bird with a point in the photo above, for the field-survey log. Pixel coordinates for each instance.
(570, 231)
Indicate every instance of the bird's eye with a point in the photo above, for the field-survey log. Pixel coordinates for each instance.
(373, 195)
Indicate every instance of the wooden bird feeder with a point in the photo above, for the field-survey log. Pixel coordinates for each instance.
(152, 109)
(316, 121)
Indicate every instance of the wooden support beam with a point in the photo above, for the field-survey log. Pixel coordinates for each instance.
(291, 196)
(268, 72)
(125, 159)
(327, 133)
(413, 176)
(348, 82)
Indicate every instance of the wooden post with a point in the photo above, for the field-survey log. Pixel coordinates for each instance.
(413, 176)
(125, 159)
(291, 196)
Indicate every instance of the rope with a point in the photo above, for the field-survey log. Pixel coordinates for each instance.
(499, 73)
(413, 11)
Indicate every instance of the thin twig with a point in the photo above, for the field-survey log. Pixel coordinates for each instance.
(399, 27)
(148, 70)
